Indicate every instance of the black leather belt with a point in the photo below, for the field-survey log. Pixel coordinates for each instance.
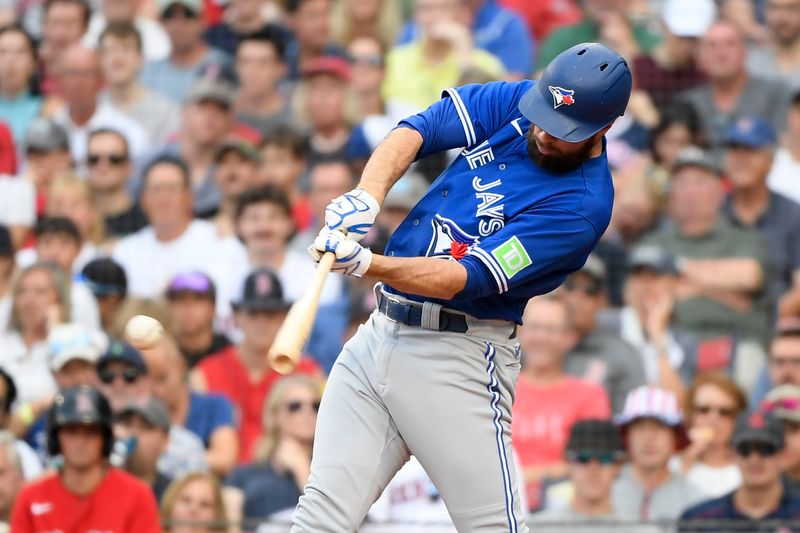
(410, 314)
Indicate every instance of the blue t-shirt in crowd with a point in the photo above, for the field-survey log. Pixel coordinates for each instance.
(266, 491)
(723, 509)
(207, 413)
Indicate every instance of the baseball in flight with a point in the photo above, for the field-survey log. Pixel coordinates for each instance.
(143, 332)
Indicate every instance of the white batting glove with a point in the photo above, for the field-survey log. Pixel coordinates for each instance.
(351, 258)
(352, 213)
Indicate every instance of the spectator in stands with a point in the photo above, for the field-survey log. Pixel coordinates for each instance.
(779, 59)
(235, 170)
(284, 154)
(209, 416)
(265, 226)
(242, 372)
(762, 496)
(7, 268)
(275, 481)
(242, 18)
(123, 374)
(731, 92)
(193, 504)
(750, 146)
(109, 164)
(444, 51)
(20, 102)
(670, 67)
(154, 41)
(259, 68)
(174, 242)
(29, 460)
(667, 352)
(400, 199)
(786, 167)
(109, 285)
(652, 428)
(721, 269)
(47, 155)
(64, 22)
(310, 25)
(606, 20)
(328, 180)
(192, 302)
(120, 47)
(11, 477)
(144, 428)
(784, 403)
(784, 357)
(17, 208)
(39, 300)
(548, 402)
(594, 455)
(71, 197)
(545, 16)
(80, 422)
(598, 356)
(190, 59)
(713, 403)
(80, 80)
(352, 20)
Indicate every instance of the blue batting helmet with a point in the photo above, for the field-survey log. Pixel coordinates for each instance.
(580, 92)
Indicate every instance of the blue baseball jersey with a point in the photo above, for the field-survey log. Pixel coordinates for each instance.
(518, 229)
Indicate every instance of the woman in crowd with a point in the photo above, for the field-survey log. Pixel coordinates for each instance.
(271, 486)
(713, 402)
(19, 101)
(193, 504)
(71, 197)
(379, 19)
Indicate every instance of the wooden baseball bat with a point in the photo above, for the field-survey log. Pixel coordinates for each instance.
(291, 337)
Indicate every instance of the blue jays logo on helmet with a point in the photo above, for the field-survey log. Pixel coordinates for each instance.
(445, 233)
(561, 96)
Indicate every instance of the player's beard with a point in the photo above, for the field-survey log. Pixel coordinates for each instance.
(559, 164)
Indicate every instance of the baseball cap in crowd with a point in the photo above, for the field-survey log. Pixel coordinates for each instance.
(6, 244)
(119, 350)
(262, 291)
(654, 403)
(595, 268)
(594, 439)
(192, 283)
(752, 132)
(151, 410)
(783, 402)
(195, 6)
(653, 258)
(105, 277)
(689, 18)
(243, 148)
(44, 135)
(67, 342)
(335, 66)
(407, 192)
(208, 89)
(694, 156)
(758, 427)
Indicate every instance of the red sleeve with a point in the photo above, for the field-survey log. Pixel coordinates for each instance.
(146, 519)
(8, 154)
(20, 517)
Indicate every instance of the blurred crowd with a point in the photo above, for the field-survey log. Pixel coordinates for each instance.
(173, 158)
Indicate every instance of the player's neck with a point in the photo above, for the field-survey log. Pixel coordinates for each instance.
(83, 481)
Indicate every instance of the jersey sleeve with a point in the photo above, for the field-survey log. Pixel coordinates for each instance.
(541, 246)
(466, 116)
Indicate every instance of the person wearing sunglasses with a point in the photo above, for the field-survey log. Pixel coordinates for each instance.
(122, 374)
(282, 463)
(713, 402)
(652, 429)
(594, 455)
(784, 402)
(762, 498)
(598, 355)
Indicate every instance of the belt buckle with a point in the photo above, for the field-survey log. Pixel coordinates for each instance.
(390, 299)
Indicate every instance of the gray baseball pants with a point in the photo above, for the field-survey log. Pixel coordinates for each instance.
(444, 397)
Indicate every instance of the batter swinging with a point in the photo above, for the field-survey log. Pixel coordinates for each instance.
(433, 371)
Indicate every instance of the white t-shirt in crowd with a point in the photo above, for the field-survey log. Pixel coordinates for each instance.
(715, 481)
(784, 177)
(17, 202)
(27, 256)
(28, 368)
(29, 460)
(297, 269)
(155, 41)
(150, 264)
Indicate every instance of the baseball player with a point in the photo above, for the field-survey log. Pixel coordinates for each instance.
(432, 373)
(86, 495)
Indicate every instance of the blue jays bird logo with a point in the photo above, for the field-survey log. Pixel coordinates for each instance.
(562, 96)
(449, 240)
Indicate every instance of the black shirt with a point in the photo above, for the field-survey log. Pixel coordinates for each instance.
(218, 342)
(125, 223)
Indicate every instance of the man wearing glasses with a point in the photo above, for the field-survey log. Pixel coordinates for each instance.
(784, 403)
(762, 498)
(123, 374)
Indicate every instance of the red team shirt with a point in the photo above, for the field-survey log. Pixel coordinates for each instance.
(120, 504)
